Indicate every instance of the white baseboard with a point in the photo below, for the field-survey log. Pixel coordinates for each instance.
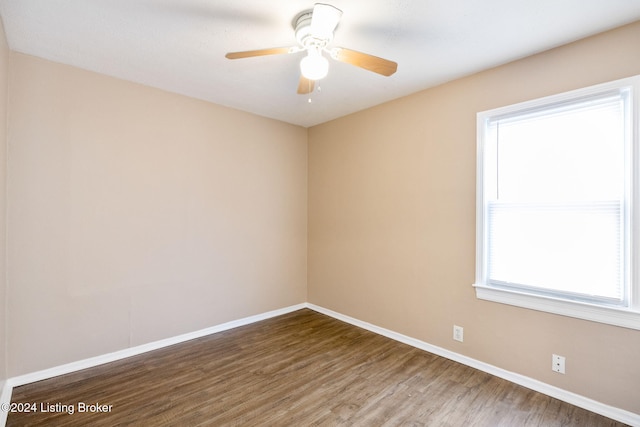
(134, 351)
(617, 414)
(5, 400)
(608, 411)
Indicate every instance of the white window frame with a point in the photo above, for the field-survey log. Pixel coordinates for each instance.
(628, 317)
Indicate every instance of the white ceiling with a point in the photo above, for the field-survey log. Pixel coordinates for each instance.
(179, 45)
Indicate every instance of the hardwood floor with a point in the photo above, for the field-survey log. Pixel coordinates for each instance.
(300, 369)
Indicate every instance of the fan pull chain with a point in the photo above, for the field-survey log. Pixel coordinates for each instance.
(318, 89)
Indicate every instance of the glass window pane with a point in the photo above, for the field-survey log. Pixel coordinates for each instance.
(574, 155)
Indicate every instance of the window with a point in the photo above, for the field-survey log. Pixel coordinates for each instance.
(556, 204)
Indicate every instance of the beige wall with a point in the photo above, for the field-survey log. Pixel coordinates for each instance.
(392, 224)
(136, 215)
(4, 75)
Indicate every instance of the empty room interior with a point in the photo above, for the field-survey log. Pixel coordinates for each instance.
(154, 191)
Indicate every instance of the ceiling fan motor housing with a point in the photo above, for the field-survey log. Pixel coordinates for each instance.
(304, 36)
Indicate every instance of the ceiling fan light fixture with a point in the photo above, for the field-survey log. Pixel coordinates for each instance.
(314, 66)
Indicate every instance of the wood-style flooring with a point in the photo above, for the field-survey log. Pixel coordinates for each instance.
(299, 369)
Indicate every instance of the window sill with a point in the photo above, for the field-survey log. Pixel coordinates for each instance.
(612, 316)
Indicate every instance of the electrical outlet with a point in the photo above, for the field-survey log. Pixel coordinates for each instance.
(557, 363)
(458, 333)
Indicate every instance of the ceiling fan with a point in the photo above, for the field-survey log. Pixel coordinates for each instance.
(314, 32)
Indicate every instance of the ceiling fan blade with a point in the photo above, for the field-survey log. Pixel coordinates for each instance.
(364, 60)
(324, 20)
(261, 52)
(305, 85)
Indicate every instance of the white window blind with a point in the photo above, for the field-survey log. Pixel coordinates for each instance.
(573, 248)
(555, 211)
